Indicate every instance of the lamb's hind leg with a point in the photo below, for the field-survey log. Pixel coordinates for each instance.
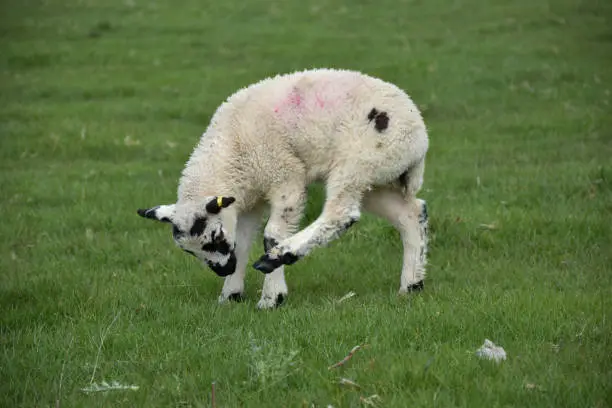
(409, 216)
(287, 206)
(246, 228)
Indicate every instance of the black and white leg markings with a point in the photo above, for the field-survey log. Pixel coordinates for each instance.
(269, 243)
(268, 262)
(424, 231)
(236, 297)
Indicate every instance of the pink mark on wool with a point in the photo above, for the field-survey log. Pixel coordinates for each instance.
(294, 99)
(319, 100)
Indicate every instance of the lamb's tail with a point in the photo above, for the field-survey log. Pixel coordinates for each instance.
(411, 180)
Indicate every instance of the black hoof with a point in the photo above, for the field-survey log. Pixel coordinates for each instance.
(416, 287)
(236, 297)
(267, 265)
(280, 299)
(289, 258)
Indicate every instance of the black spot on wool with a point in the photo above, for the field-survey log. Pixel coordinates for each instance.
(381, 122)
(372, 114)
(381, 119)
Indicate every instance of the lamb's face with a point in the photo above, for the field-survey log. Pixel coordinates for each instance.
(204, 231)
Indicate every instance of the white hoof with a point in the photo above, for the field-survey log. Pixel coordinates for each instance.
(231, 297)
(271, 301)
(415, 287)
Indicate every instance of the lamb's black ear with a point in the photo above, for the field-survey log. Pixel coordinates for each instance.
(163, 213)
(215, 205)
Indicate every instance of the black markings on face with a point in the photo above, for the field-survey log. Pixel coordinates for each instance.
(381, 119)
(269, 243)
(151, 213)
(224, 270)
(209, 247)
(198, 227)
(190, 252)
(221, 247)
(218, 244)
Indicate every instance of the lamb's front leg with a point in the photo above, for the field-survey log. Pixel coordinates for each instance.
(287, 206)
(341, 210)
(246, 228)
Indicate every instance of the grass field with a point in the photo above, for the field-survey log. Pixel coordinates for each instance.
(101, 104)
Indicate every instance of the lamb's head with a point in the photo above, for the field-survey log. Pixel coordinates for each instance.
(206, 230)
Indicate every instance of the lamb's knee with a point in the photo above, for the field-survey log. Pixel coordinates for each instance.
(338, 221)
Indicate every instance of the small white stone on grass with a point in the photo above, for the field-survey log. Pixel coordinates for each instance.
(490, 351)
(346, 297)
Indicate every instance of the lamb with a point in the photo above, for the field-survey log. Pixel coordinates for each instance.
(362, 137)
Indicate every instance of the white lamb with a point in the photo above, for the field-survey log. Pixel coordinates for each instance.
(364, 138)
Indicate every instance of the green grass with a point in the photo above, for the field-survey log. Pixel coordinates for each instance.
(101, 104)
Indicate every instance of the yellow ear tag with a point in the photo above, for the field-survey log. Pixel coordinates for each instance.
(219, 201)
